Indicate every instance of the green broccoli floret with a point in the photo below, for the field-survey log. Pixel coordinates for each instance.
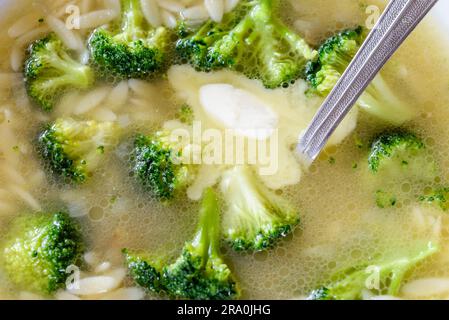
(251, 39)
(399, 153)
(256, 218)
(37, 250)
(74, 149)
(439, 197)
(186, 114)
(397, 158)
(334, 56)
(145, 270)
(199, 273)
(159, 165)
(134, 50)
(50, 70)
(383, 277)
(385, 199)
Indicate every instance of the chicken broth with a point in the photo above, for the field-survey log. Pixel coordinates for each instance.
(340, 224)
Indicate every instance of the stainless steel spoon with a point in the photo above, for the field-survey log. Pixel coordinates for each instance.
(399, 19)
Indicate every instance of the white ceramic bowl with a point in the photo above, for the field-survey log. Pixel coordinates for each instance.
(8, 7)
(14, 7)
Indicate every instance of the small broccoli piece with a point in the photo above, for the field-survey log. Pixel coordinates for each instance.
(199, 273)
(145, 270)
(320, 294)
(334, 56)
(74, 149)
(385, 199)
(256, 218)
(439, 197)
(50, 70)
(136, 50)
(186, 114)
(397, 158)
(38, 249)
(400, 153)
(385, 278)
(159, 165)
(252, 39)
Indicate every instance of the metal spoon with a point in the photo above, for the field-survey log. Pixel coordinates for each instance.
(399, 19)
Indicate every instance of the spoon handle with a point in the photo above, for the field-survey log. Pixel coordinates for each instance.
(399, 19)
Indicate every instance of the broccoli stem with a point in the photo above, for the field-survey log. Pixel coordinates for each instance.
(263, 11)
(72, 73)
(72, 70)
(256, 217)
(199, 273)
(298, 43)
(396, 270)
(81, 78)
(228, 46)
(350, 284)
(132, 20)
(206, 240)
(380, 101)
(263, 14)
(203, 33)
(267, 25)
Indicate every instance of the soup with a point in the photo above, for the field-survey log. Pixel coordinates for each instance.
(345, 221)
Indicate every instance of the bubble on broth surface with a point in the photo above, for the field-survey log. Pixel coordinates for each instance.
(96, 214)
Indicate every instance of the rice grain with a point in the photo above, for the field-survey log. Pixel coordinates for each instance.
(96, 18)
(67, 104)
(427, 287)
(68, 37)
(95, 285)
(104, 115)
(91, 258)
(150, 9)
(215, 8)
(113, 5)
(13, 174)
(118, 96)
(124, 120)
(196, 13)
(103, 267)
(125, 294)
(62, 11)
(24, 25)
(169, 19)
(170, 5)
(91, 100)
(27, 197)
(229, 5)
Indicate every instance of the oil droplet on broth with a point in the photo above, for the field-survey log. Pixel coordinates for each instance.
(96, 214)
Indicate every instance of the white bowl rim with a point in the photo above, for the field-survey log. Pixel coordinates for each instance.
(439, 12)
